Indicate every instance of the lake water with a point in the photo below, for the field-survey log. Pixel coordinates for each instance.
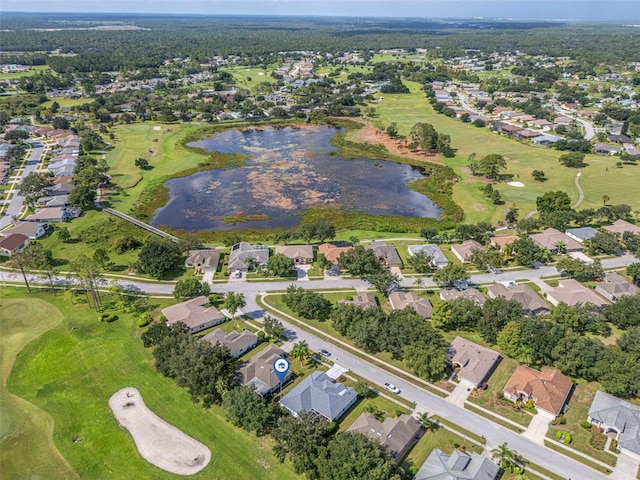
(287, 171)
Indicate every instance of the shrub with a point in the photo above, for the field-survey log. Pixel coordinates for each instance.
(261, 336)
(144, 320)
(330, 428)
(585, 424)
(108, 317)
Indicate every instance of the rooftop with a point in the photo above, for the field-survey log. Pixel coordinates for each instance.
(549, 388)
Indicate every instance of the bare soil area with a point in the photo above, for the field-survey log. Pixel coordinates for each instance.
(158, 442)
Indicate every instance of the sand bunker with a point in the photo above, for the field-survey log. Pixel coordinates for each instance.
(157, 128)
(158, 442)
(515, 184)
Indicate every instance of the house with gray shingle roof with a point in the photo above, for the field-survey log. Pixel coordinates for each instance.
(237, 343)
(402, 300)
(581, 234)
(438, 259)
(194, 314)
(457, 466)
(531, 302)
(318, 393)
(362, 300)
(387, 254)
(33, 230)
(398, 435)
(245, 257)
(259, 373)
(615, 286)
(572, 292)
(618, 417)
(551, 239)
(300, 254)
(469, 294)
(475, 363)
(203, 261)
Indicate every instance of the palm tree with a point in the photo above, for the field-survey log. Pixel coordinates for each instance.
(525, 355)
(300, 351)
(426, 422)
(418, 282)
(234, 302)
(505, 456)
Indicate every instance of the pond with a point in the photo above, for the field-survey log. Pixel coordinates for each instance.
(287, 171)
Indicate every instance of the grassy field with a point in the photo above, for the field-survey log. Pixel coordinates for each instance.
(34, 71)
(67, 102)
(70, 372)
(26, 431)
(602, 177)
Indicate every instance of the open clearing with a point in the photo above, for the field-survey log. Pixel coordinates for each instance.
(158, 442)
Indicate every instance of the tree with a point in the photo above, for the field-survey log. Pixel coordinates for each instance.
(429, 234)
(629, 342)
(384, 281)
(618, 372)
(280, 265)
(300, 439)
(427, 360)
(420, 262)
(580, 318)
(449, 274)
(273, 327)
(324, 231)
(142, 163)
(363, 390)
(633, 271)
(300, 351)
(496, 313)
(83, 195)
(505, 456)
(101, 257)
(538, 175)
(577, 355)
(306, 303)
(625, 312)
(352, 455)
(234, 302)
(553, 201)
(572, 160)
(581, 271)
(606, 243)
(158, 258)
(509, 339)
(89, 276)
(63, 234)
(190, 288)
(359, 261)
(17, 135)
(484, 259)
(605, 200)
(248, 410)
(392, 130)
(34, 184)
(491, 165)
(60, 123)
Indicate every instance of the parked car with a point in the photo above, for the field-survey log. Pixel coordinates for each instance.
(324, 353)
(392, 388)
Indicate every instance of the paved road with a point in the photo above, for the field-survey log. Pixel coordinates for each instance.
(15, 204)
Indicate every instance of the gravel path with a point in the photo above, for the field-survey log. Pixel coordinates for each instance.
(158, 442)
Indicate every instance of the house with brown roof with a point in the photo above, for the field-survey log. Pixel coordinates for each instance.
(620, 226)
(500, 242)
(470, 294)
(194, 314)
(398, 435)
(572, 292)
(474, 362)
(387, 255)
(552, 240)
(531, 302)
(615, 286)
(464, 250)
(203, 261)
(362, 300)
(259, 371)
(237, 343)
(548, 388)
(332, 251)
(14, 243)
(402, 300)
(300, 254)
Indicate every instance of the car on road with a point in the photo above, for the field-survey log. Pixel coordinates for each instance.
(324, 353)
(392, 388)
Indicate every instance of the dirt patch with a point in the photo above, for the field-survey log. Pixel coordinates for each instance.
(158, 442)
(370, 134)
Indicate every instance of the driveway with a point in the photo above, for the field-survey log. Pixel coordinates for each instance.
(537, 429)
(626, 468)
(460, 394)
(302, 271)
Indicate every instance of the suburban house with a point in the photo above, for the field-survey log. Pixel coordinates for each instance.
(620, 226)
(475, 363)
(572, 292)
(531, 302)
(457, 466)
(14, 243)
(244, 257)
(500, 242)
(438, 259)
(387, 254)
(470, 294)
(581, 234)
(547, 388)
(318, 393)
(402, 300)
(398, 435)
(605, 149)
(332, 251)
(203, 261)
(617, 417)
(300, 254)
(615, 286)
(259, 372)
(546, 139)
(237, 343)
(194, 314)
(59, 189)
(464, 250)
(363, 300)
(33, 230)
(53, 215)
(552, 239)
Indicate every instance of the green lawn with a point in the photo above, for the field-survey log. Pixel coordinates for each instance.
(602, 177)
(382, 404)
(409, 109)
(35, 70)
(71, 371)
(67, 102)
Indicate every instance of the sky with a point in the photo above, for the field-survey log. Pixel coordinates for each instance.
(626, 11)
